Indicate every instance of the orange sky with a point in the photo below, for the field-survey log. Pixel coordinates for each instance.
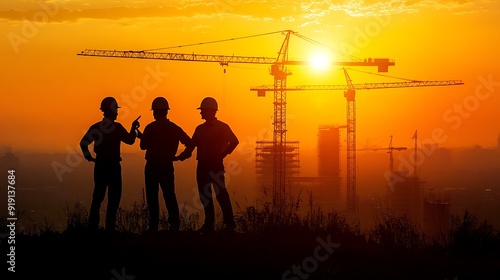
(50, 95)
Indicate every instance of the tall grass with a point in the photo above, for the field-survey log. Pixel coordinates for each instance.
(467, 235)
(27, 225)
(136, 220)
(401, 232)
(76, 218)
(470, 236)
(296, 216)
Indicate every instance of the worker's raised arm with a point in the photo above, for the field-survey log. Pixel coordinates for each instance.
(128, 137)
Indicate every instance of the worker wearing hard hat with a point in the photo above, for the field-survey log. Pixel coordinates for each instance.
(214, 140)
(107, 136)
(161, 140)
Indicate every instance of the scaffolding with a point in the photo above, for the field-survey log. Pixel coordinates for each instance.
(264, 158)
(323, 189)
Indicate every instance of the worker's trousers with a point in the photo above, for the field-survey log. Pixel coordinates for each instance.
(211, 174)
(107, 175)
(161, 174)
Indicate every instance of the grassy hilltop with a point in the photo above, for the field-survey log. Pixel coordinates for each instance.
(267, 245)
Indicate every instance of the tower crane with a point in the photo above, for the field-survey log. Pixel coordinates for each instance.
(391, 157)
(349, 93)
(390, 150)
(278, 69)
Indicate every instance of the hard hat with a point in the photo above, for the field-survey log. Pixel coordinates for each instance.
(109, 104)
(209, 103)
(160, 103)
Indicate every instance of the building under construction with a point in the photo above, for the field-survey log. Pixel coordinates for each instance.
(329, 161)
(437, 218)
(329, 151)
(264, 158)
(406, 196)
(324, 189)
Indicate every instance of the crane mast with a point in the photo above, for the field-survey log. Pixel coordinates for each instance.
(280, 73)
(350, 95)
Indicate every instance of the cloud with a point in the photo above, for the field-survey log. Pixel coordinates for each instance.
(364, 8)
(308, 11)
(250, 10)
(59, 13)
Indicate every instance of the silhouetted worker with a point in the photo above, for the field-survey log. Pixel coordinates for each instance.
(214, 141)
(107, 136)
(161, 140)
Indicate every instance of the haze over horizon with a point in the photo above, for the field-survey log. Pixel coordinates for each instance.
(51, 184)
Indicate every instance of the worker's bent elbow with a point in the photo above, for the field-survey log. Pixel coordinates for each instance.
(84, 147)
(234, 145)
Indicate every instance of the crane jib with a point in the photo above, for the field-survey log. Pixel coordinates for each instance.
(381, 63)
(364, 86)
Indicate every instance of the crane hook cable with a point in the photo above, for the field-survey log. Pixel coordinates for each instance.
(216, 41)
(258, 35)
(387, 76)
(354, 58)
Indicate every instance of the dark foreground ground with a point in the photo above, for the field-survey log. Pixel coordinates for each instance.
(280, 254)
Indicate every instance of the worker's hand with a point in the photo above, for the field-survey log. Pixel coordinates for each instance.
(136, 124)
(182, 156)
(139, 134)
(179, 158)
